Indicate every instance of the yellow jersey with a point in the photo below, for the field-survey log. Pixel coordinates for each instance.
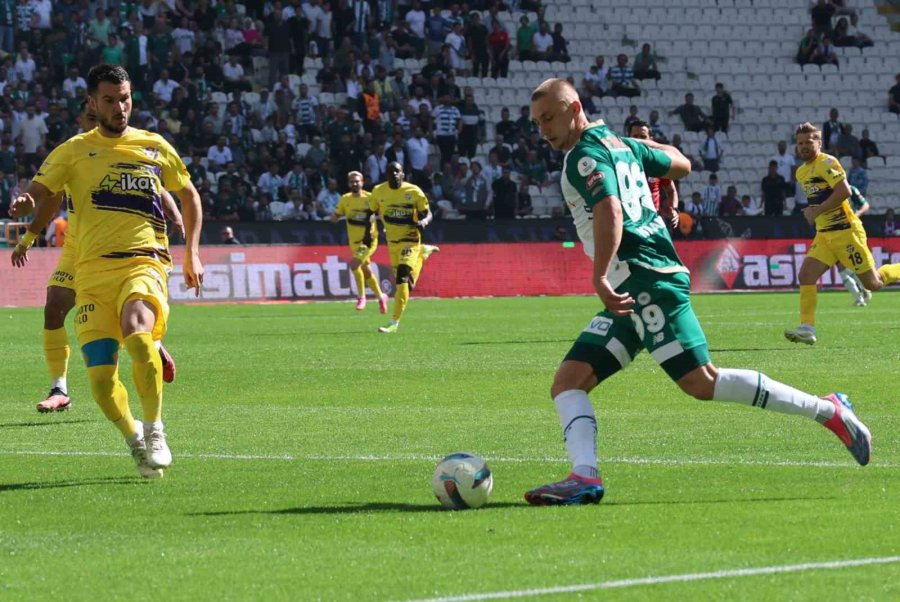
(114, 188)
(358, 211)
(400, 209)
(818, 179)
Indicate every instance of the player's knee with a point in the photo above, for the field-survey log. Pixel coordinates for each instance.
(700, 383)
(355, 264)
(404, 275)
(59, 302)
(101, 352)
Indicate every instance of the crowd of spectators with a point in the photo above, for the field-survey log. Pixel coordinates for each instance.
(833, 25)
(222, 82)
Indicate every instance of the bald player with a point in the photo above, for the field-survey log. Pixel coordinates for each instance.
(646, 292)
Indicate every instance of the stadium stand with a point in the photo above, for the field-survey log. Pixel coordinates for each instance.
(317, 87)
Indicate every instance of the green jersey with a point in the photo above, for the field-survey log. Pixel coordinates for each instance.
(857, 200)
(601, 165)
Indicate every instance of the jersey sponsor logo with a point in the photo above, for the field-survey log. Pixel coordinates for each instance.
(599, 326)
(594, 178)
(586, 165)
(152, 152)
(128, 182)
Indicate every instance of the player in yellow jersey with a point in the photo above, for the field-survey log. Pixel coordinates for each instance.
(840, 236)
(403, 209)
(114, 175)
(61, 296)
(362, 234)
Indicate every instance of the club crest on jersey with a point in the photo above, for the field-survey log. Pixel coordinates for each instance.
(586, 165)
(407, 197)
(152, 152)
(594, 178)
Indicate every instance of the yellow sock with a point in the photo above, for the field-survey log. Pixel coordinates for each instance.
(147, 373)
(372, 283)
(808, 304)
(889, 272)
(57, 351)
(360, 282)
(401, 298)
(112, 397)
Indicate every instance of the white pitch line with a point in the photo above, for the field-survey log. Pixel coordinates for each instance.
(687, 577)
(431, 458)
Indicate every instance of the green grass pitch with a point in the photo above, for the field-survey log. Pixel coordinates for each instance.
(304, 443)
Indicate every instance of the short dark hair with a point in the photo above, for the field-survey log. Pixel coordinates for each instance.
(113, 74)
(638, 123)
(771, 163)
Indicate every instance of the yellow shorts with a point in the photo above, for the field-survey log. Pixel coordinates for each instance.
(363, 253)
(100, 296)
(64, 275)
(407, 254)
(849, 246)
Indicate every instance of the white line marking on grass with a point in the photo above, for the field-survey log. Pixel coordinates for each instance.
(623, 583)
(432, 458)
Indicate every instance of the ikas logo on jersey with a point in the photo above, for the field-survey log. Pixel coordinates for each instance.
(127, 182)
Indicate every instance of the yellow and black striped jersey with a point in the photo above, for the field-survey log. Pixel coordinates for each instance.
(818, 179)
(114, 187)
(358, 211)
(400, 209)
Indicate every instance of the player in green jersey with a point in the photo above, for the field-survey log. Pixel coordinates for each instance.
(646, 291)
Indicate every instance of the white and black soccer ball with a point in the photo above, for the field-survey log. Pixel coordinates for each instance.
(462, 480)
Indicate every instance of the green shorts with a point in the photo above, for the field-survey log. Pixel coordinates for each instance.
(663, 323)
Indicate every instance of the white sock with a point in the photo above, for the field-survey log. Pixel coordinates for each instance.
(851, 283)
(152, 426)
(158, 345)
(576, 417)
(750, 387)
(60, 383)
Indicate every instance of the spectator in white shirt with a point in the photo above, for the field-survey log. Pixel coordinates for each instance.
(313, 13)
(415, 18)
(25, 66)
(71, 84)
(786, 163)
(455, 41)
(164, 87)
(233, 72)
(418, 148)
(44, 10)
(270, 183)
(376, 166)
(218, 155)
(750, 206)
(542, 42)
(184, 36)
(32, 131)
(327, 200)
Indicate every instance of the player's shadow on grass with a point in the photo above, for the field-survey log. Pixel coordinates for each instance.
(752, 500)
(10, 425)
(71, 483)
(356, 509)
(519, 342)
(743, 349)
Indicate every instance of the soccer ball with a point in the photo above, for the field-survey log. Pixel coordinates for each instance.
(462, 480)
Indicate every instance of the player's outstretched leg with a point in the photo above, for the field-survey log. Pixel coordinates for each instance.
(753, 388)
(168, 363)
(427, 250)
